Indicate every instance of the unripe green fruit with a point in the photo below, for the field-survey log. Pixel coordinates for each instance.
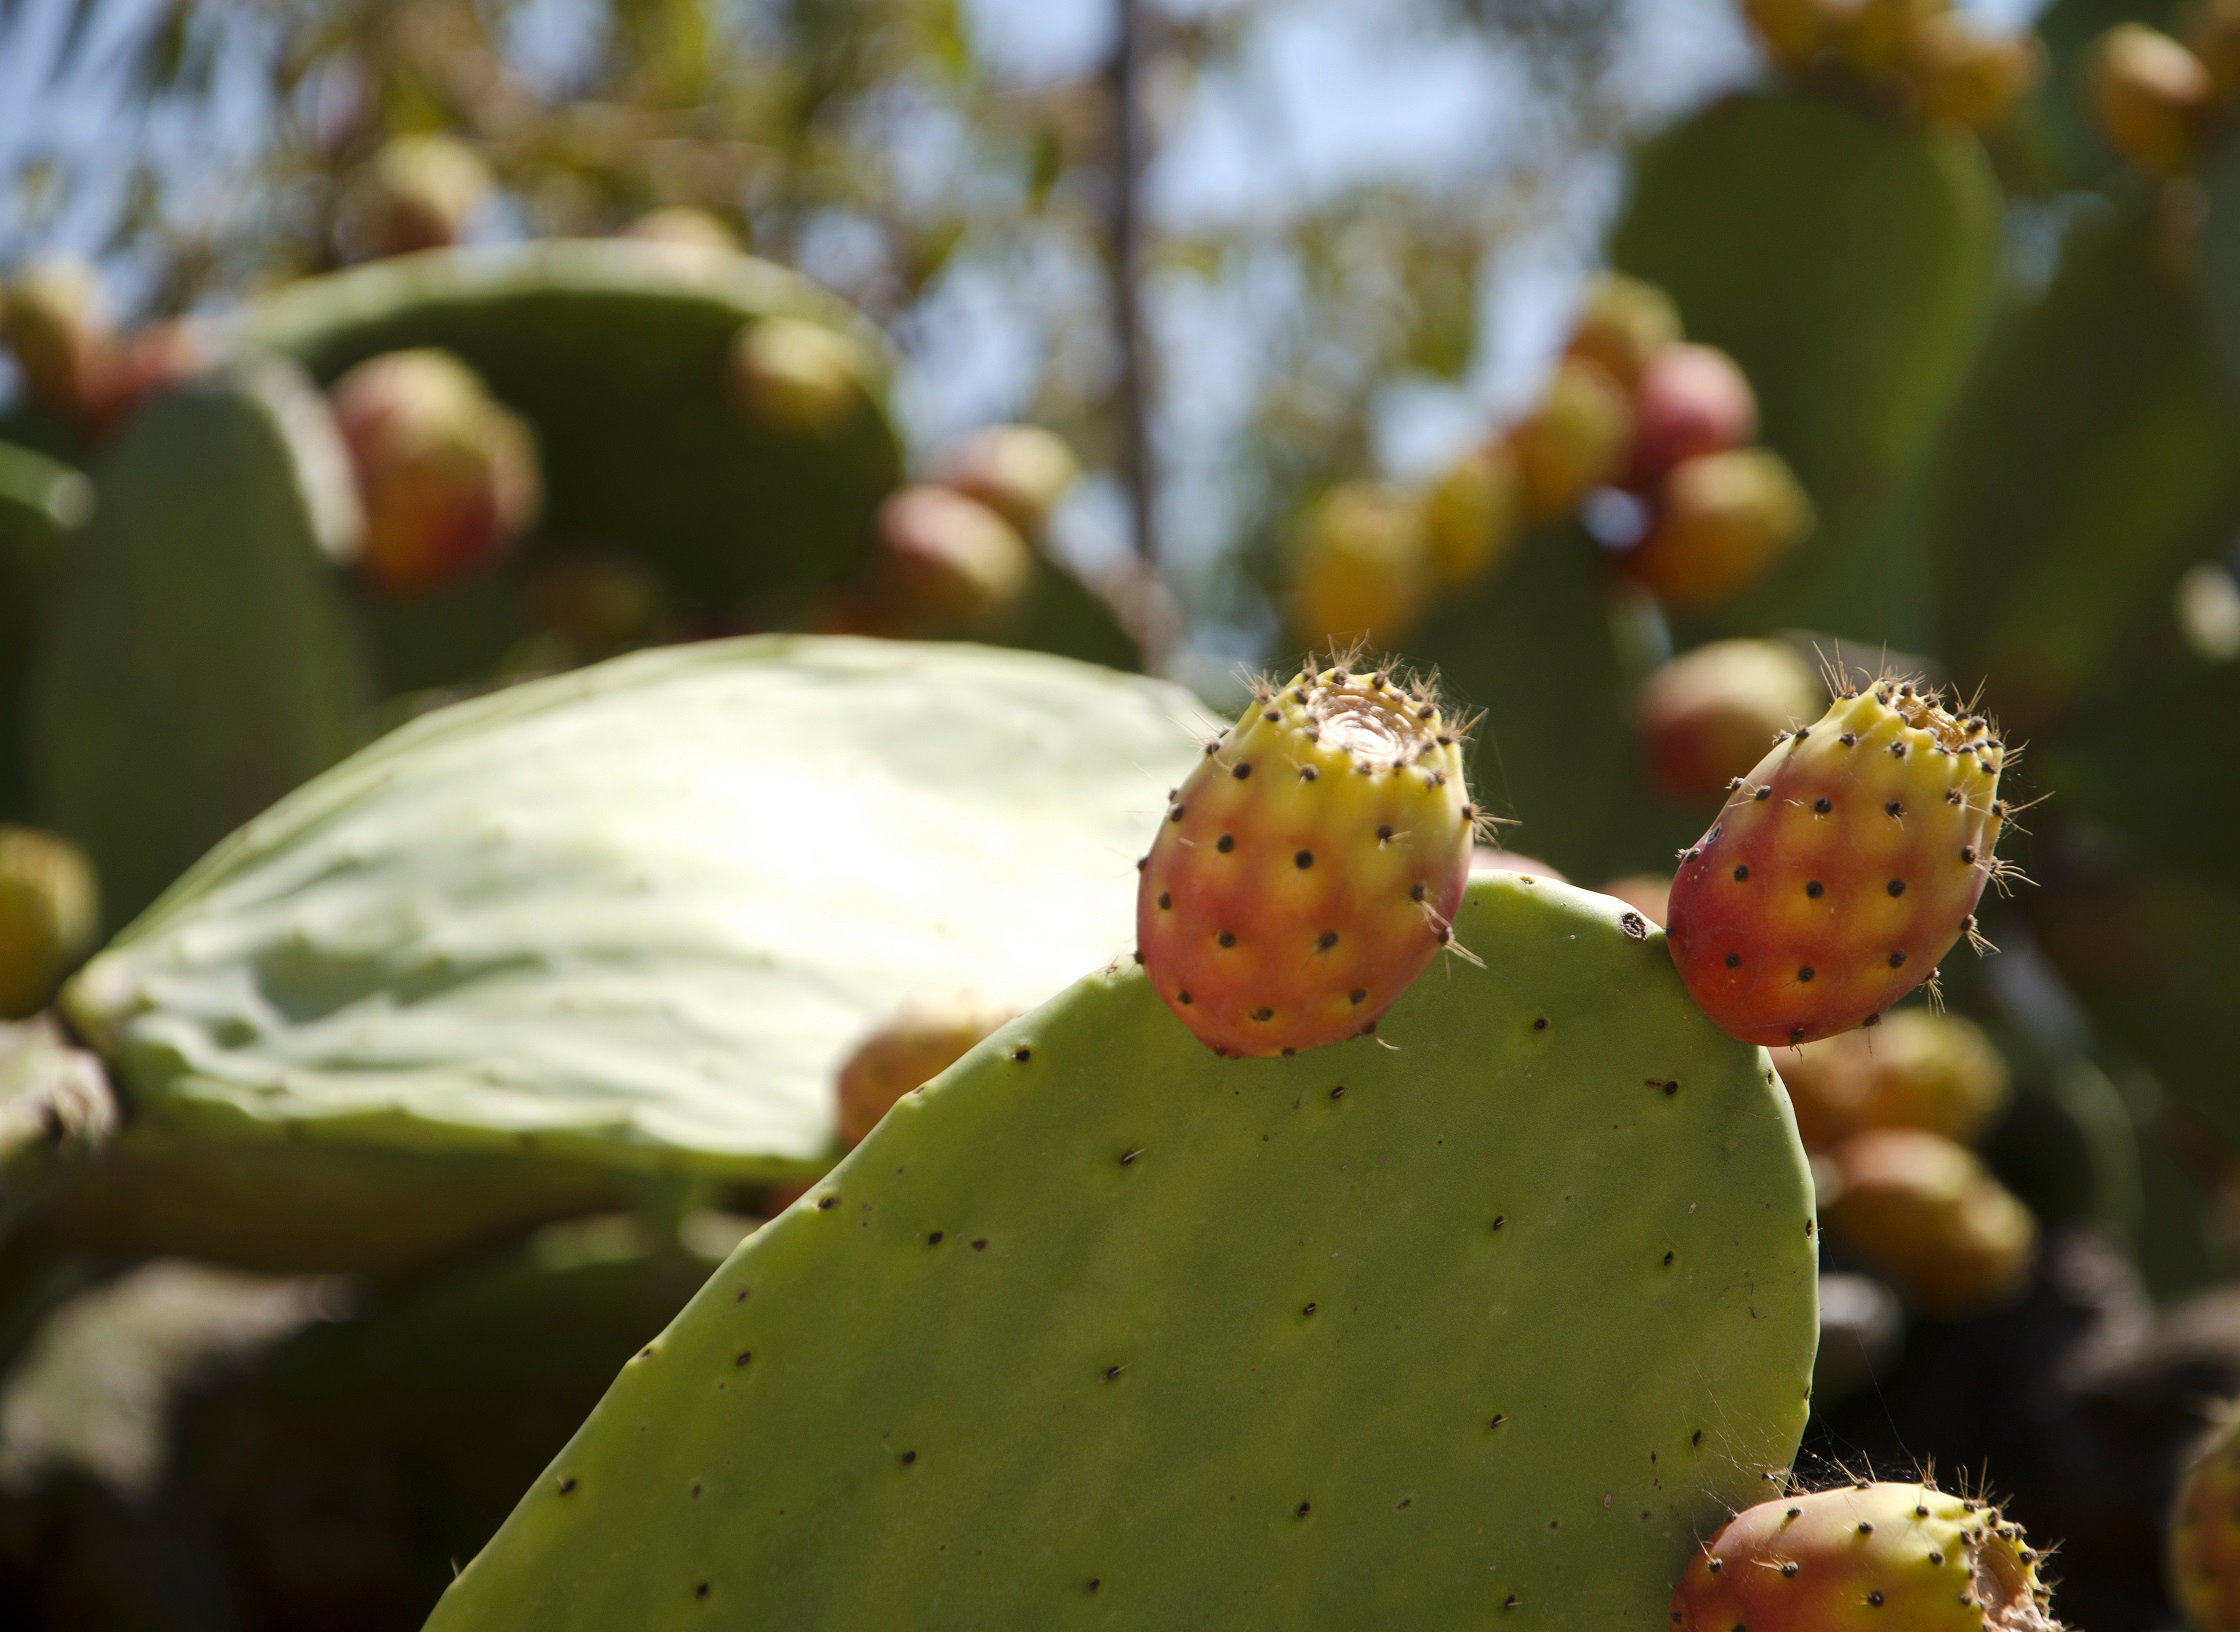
(1935, 1072)
(1707, 716)
(447, 477)
(796, 378)
(1361, 566)
(1622, 324)
(2150, 96)
(1931, 1216)
(49, 914)
(1018, 471)
(908, 1051)
(1575, 440)
(1722, 521)
(417, 193)
(1471, 514)
(947, 561)
(51, 316)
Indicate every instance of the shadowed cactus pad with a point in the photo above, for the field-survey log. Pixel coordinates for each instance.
(627, 920)
(1101, 1331)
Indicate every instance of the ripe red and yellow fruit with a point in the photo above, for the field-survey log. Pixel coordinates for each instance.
(946, 562)
(1692, 400)
(447, 477)
(1310, 866)
(1868, 1557)
(1575, 440)
(1471, 514)
(1841, 868)
(49, 913)
(1622, 323)
(1018, 471)
(2151, 97)
(795, 378)
(418, 192)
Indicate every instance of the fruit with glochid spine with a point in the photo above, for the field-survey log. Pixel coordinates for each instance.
(1866, 1555)
(1309, 868)
(1842, 867)
(1692, 400)
(1706, 716)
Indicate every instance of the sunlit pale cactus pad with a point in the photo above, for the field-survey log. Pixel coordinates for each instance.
(1498, 1313)
(637, 916)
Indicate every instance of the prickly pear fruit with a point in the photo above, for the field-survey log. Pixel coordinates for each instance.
(1721, 522)
(448, 478)
(1691, 400)
(1865, 1556)
(1936, 1072)
(682, 224)
(1649, 894)
(2204, 1543)
(1309, 868)
(1842, 868)
(417, 193)
(796, 378)
(948, 562)
(1706, 716)
(2151, 98)
(1361, 566)
(49, 912)
(1574, 440)
(1470, 514)
(1018, 471)
(1930, 1215)
(1622, 324)
(1966, 76)
(51, 316)
(597, 604)
(908, 1051)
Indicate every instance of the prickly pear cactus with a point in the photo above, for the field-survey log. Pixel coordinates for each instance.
(622, 922)
(40, 500)
(1847, 263)
(194, 661)
(1867, 1555)
(1101, 1330)
(618, 354)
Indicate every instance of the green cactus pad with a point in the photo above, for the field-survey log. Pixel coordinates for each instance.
(1481, 1324)
(2092, 461)
(1848, 263)
(194, 661)
(626, 921)
(615, 351)
(40, 500)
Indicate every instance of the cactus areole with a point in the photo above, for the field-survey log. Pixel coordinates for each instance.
(1867, 1555)
(1842, 868)
(1310, 866)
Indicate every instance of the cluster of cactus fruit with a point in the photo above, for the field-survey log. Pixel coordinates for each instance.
(1633, 414)
(1921, 59)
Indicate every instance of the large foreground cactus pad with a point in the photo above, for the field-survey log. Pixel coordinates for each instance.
(1481, 1328)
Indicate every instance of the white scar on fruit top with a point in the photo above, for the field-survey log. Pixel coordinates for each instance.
(1367, 729)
